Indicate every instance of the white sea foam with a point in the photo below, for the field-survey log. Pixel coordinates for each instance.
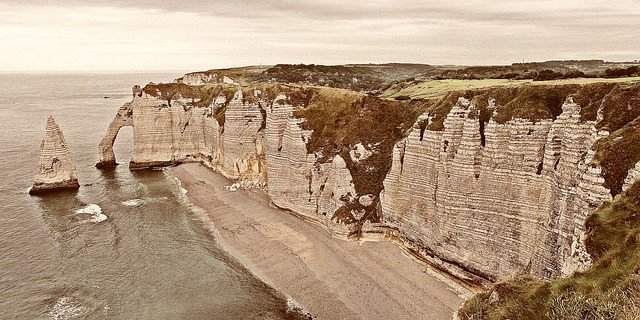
(65, 308)
(183, 191)
(133, 202)
(95, 211)
(293, 306)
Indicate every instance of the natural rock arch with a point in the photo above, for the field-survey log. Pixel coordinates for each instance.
(123, 118)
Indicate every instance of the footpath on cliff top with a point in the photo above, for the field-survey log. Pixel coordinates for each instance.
(328, 277)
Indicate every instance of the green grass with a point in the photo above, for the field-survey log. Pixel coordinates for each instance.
(618, 153)
(436, 89)
(610, 289)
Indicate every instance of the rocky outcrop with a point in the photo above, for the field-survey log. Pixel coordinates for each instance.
(199, 78)
(632, 176)
(176, 131)
(123, 118)
(515, 204)
(56, 169)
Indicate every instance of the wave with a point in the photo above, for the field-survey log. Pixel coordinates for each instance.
(65, 308)
(183, 191)
(133, 202)
(94, 211)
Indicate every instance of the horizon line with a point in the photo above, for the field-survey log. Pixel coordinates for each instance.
(54, 71)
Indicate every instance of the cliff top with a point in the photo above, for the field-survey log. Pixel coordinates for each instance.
(437, 88)
(388, 79)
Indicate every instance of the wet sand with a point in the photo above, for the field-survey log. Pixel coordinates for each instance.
(328, 277)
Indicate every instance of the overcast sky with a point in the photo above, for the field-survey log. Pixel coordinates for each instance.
(205, 34)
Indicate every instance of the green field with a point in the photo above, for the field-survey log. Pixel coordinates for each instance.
(435, 89)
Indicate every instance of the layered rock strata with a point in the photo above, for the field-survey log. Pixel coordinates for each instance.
(632, 176)
(296, 181)
(512, 203)
(166, 133)
(56, 169)
(483, 201)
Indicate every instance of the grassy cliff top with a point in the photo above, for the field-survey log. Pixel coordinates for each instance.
(389, 78)
(436, 89)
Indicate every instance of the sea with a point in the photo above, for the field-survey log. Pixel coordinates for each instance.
(127, 244)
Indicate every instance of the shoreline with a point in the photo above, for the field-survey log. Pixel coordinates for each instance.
(327, 277)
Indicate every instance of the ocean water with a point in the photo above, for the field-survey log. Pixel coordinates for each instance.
(126, 245)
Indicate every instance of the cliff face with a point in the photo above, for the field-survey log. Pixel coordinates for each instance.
(56, 169)
(170, 132)
(499, 201)
(296, 181)
(481, 199)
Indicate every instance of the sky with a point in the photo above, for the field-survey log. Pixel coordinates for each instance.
(77, 35)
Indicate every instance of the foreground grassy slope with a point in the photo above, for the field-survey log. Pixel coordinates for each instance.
(610, 289)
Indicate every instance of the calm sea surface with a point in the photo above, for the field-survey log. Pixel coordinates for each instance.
(152, 258)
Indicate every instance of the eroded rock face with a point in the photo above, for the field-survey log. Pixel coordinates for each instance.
(123, 118)
(295, 180)
(483, 201)
(169, 133)
(56, 169)
(632, 176)
(515, 205)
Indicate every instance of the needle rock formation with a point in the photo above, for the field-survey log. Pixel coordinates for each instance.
(56, 169)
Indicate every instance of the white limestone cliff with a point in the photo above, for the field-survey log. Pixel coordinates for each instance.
(296, 181)
(515, 205)
(56, 169)
(483, 202)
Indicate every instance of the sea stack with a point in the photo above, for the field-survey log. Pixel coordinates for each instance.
(56, 169)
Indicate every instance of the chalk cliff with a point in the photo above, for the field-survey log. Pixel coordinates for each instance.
(296, 180)
(514, 204)
(56, 169)
(175, 131)
(482, 198)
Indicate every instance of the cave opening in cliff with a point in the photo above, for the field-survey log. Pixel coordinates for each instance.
(123, 144)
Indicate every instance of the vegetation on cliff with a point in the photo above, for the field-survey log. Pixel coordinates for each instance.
(618, 104)
(610, 289)
(341, 119)
(368, 78)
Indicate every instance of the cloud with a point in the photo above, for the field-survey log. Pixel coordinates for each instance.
(193, 35)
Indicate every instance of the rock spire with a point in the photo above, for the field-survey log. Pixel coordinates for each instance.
(56, 169)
